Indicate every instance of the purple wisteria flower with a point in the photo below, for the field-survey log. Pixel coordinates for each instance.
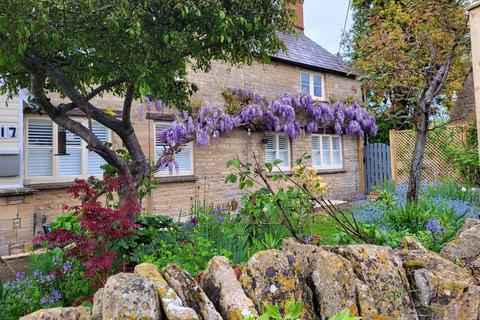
(288, 114)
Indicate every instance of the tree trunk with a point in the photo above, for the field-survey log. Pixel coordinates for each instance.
(415, 179)
(127, 197)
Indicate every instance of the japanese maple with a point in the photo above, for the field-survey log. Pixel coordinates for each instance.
(101, 226)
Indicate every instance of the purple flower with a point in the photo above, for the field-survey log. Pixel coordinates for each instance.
(45, 299)
(220, 219)
(192, 223)
(56, 295)
(67, 267)
(20, 276)
(37, 274)
(159, 105)
(308, 240)
(435, 228)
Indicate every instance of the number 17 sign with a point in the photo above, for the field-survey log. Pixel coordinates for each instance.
(8, 130)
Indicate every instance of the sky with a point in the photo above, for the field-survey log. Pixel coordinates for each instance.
(324, 21)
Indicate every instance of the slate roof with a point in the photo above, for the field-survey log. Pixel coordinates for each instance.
(305, 52)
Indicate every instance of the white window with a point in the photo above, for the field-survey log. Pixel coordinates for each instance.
(184, 158)
(278, 148)
(312, 84)
(326, 151)
(44, 164)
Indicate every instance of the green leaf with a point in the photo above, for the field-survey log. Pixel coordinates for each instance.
(234, 163)
(221, 14)
(269, 166)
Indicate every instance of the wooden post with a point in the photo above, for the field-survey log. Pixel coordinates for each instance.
(361, 165)
(393, 155)
(474, 12)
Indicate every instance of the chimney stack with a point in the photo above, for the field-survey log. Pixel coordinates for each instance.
(299, 16)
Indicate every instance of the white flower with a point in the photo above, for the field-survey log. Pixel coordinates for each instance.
(464, 189)
(474, 190)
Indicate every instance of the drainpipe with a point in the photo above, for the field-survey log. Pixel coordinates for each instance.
(474, 13)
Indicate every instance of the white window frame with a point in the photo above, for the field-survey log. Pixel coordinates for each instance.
(320, 151)
(277, 136)
(165, 172)
(311, 84)
(56, 177)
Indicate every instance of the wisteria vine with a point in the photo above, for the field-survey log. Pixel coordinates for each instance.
(290, 114)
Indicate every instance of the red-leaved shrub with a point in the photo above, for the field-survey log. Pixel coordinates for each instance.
(101, 226)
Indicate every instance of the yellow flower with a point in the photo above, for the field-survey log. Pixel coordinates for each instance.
(110, 110)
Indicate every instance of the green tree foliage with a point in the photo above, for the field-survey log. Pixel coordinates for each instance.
(414, 54)
(84, 48)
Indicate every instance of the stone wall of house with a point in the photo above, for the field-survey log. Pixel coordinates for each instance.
(176, 195)
(210, 172)
(17, 221)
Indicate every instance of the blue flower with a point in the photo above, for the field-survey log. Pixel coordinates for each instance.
(20, 276)
(37, 274)
(308, 240)
(45, 299)
(56, 295)
(435, 228)
(67, 267)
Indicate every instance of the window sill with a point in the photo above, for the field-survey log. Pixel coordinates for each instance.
(319, 172)
(51, 185)
(174, 179)
(17, 192)
(330, 171)
(287, 172)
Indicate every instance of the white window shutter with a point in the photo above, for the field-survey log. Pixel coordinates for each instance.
(94, 160)
(270, 148)
(326, 151)
(316, 157)
(40, 148)
(336, 152)
(71, 163)
(283, 150)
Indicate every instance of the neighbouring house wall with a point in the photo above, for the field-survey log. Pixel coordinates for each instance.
(464, 109)
(475, 34)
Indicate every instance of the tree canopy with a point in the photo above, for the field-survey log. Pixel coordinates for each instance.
(414, 54)
(84, 48)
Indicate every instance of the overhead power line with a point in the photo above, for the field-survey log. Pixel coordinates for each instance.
(344, 27)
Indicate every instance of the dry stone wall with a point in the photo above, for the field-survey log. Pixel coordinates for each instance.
(373, 282)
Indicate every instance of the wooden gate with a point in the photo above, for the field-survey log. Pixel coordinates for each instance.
(377, 165)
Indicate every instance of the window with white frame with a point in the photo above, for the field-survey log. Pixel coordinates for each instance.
(312, 84)
(327, 151)
(45, 165)
(184, 158)
(278, 148)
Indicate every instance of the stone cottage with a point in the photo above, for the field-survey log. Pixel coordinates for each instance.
(34, 172)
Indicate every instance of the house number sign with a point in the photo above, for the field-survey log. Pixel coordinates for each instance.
(8, 130)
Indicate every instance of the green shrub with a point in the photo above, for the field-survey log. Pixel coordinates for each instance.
(293, 311)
